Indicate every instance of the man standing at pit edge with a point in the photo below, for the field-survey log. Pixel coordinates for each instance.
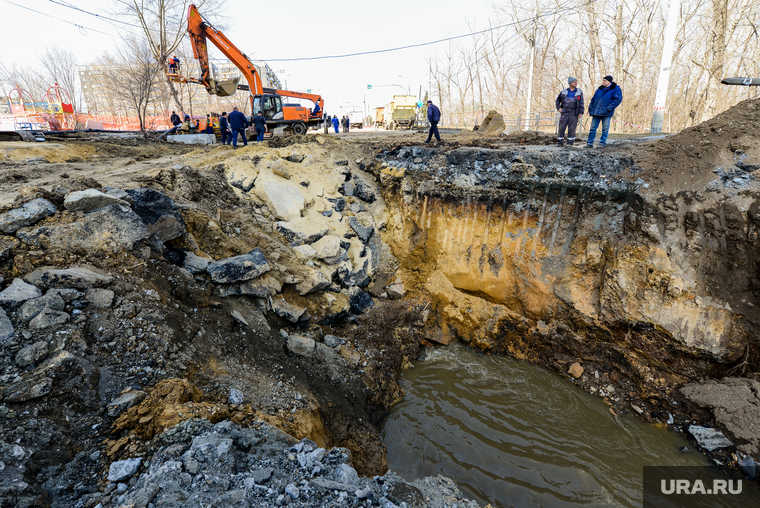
(569, 103)
(434, 116)
(601, 108)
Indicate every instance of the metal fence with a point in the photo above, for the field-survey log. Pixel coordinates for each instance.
(545, 121)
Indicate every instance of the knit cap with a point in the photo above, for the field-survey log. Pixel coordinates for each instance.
(571, 80)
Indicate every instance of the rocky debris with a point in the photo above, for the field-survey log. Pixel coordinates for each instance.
(263, 287)
(32, 354)
(575, 370)
(396, 291)
(303, 230)
(239, 268)
(279, 169)
(305, 251)
(362, 189)
(31, 308)
(709, 439)
(333, 341)
(78, 277)
(196, 264)
(123, 469)
(283, 197)
(327, 248)
(29, 214)
(100, 298)
(48, 318)
(291, 312)
(235, 397)
(6, 327)
(311, 281)
(734, 404)
(125, 401)
(17, 293)
(359, 300)
(159, 213)
(300, 345)
(89, 200)
(297, 158)
(7, 244)
(263, 467)
(112, 229)
(362, 231)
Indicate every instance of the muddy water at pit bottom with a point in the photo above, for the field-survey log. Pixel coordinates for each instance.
(513, 434)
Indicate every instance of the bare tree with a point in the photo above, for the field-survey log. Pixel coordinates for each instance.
(132, 75)
(60, 66)
(164, 23)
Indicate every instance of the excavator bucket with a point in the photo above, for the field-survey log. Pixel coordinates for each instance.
(227, 87)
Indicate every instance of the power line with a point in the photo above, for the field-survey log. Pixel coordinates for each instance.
(80, 27)
(422, 44)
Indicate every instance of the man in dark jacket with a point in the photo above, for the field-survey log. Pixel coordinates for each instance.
(175, 120)
(224, 129)
(569, 103)
(434, 116)
(238, 123)
(601, 108)
(260, 124)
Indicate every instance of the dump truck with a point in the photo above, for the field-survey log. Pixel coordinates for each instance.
(357, 119)
(400, 113)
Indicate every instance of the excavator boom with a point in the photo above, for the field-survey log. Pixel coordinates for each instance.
(267, 99)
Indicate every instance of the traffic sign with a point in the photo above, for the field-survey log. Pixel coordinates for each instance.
(308, 90)
(369, 87)
(419, 104)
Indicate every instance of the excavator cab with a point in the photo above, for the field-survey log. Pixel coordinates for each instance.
(269, 105)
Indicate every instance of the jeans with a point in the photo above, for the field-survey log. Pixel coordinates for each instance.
(235, 133)
(605, 129)
(433, 130)
(260, 134)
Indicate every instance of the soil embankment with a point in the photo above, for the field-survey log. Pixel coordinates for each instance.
(158, 301)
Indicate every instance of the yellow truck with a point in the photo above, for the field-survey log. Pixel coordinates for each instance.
(401, 113)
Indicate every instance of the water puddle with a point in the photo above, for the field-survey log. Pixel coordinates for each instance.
(512, 434)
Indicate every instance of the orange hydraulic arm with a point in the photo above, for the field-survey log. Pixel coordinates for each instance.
(199, 30)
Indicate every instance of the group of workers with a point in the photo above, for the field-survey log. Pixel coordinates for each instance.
(231, 126)
(570, 105)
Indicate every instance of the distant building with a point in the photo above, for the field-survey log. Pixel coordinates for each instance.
(99, 99)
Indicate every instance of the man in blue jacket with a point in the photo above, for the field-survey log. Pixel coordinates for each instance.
(224, 129)
(238, 123)
(434, 116)
(602, 107)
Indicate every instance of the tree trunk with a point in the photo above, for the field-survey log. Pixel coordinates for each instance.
(716, 58)
(596, 46)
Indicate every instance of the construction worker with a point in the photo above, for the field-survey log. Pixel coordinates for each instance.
(260, 124)
(186, 127)
(209, 124)
(238, 123)
(175, 120)
(176, 64)
(224, 129)
(346, 123)
(335, 123)
(434, 116)
(316, 109)
(601, 108)
(570, 105)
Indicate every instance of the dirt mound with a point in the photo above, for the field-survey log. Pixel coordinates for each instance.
(687, 159)
(530, 138)
(283, 141)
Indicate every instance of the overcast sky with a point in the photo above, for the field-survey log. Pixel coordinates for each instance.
(290, 29)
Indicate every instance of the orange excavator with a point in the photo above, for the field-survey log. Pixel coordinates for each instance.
(266, 100)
